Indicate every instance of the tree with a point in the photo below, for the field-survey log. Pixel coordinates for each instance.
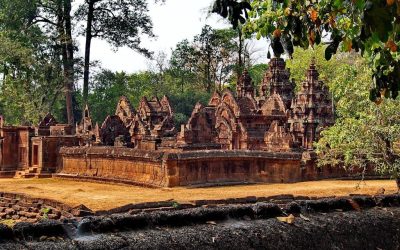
(183, 63)
(371, 27)
(107, 87)
(52, 20)
(30, 59)
(31, 81)
(211, 57)
(119, 22)
(65, 32)
(217, 54)
(364, 134)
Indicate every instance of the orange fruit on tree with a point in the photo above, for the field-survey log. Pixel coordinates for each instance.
(390, 2)
(313, 14)
(391, 45)
(277, 33)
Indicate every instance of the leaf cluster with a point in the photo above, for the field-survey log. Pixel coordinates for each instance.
(119, 22)
(370, 27)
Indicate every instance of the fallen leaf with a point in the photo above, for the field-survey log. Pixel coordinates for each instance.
(289, 219)
(211, 222)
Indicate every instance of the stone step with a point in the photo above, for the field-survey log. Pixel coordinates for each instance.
(43, 175)
(33, 170)
(27, 175)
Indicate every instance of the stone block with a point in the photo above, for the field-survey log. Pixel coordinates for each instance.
(54, 216)
(9, 211)
(31, 215)
(16, 207)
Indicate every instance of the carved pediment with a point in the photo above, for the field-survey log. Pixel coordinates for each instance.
(274, 106)
(112, 128)
(124, 110)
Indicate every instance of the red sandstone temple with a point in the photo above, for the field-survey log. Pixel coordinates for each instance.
(235, 138)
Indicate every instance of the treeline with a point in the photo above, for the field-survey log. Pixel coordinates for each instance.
(38, 63)
(40, 70)
(194, 70)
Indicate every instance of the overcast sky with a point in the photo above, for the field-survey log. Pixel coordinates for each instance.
(173, 21)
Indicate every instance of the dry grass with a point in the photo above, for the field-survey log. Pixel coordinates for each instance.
(99, 196)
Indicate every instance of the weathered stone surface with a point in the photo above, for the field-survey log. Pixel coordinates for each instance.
(235, 138)
(275, 120)
(157, 168)
(24, 208)
(311, 111)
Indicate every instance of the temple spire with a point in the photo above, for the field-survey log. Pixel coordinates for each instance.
(244, 87)
(276, 81)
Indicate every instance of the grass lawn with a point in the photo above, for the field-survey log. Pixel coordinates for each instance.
(98, 196)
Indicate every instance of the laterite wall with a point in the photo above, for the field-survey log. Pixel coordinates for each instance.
(164, 169)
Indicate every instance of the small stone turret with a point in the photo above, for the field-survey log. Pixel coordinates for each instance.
(244, 86)
(311, 110)
(276, 81)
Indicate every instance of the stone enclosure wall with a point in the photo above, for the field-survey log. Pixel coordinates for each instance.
(170, 169)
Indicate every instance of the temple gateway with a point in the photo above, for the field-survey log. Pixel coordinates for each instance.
(235, 138)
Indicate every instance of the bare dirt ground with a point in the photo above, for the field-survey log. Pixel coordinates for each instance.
(98, 196)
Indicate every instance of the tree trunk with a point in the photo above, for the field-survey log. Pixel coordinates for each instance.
(65, 36)
(208, 72)
(240, 68)
(69, 62)
(87, 52)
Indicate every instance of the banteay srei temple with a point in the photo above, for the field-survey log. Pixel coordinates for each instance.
(240, 137)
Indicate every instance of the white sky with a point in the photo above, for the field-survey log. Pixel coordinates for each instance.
(173, 21)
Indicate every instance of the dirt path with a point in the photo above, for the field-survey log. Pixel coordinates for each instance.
(99, 196)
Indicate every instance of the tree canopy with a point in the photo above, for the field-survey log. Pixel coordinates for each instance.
(370, 27)
(119, 22)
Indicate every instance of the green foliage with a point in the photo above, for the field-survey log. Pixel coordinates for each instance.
(209, 61)
(364, 133)
(9, 222)
(31, 74)
(371, 27)
(45, 212)
(183, 104)
(107, 87)
(257, 72)
(235, 11)
(119, 22)
(32, 81)
(176, 205)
